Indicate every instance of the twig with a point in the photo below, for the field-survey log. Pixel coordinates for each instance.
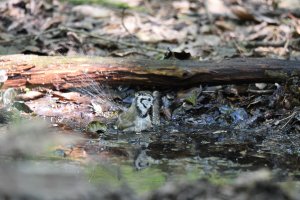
(260, 91)
(123, 23)
(264, 44)
(290, 117)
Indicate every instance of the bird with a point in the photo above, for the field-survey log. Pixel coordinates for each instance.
(137, 117)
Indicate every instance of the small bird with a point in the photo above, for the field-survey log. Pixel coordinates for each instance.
(137, 117)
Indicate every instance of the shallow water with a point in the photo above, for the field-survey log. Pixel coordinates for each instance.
(146, 161)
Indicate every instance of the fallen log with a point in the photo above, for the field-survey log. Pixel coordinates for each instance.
(67, 72)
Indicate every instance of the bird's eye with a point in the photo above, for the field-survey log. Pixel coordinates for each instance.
(149, 99)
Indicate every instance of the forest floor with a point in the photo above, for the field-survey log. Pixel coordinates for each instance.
(237, 141)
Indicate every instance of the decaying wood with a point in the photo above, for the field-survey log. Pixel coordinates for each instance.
(66, 72)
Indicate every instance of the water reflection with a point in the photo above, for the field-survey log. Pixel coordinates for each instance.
(147, 161)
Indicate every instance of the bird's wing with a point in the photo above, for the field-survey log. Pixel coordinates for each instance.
(127, 119)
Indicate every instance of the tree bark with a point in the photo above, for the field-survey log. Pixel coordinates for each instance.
(68, 72)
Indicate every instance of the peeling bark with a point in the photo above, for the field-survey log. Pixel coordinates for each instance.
(67, 72)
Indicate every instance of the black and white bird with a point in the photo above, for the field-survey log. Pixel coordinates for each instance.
(137, 117)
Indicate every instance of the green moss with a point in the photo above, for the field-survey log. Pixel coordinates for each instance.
(217, 179)
(104, 175)
(142, 181)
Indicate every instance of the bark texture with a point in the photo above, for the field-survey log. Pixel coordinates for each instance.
(67, 72)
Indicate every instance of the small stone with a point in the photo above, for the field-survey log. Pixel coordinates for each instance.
(9, 96)
(261, 86)
(3, 76)
(96, 127)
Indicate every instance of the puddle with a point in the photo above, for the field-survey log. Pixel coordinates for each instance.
(147, 161)
(173, 152)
